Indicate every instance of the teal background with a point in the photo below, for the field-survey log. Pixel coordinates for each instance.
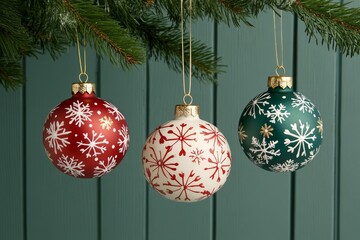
(319, 202)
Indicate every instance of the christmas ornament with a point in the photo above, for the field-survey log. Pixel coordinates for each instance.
(186, 159)
(280, 130)
(85, 136)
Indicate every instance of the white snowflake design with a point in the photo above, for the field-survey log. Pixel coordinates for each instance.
(93, 146)
(277, 114)
(51, 113)
(302, 138)
(256, 104)
(106, 122)
(71, 166)
(263, 151)
(302, 103)
(114, 111)
(124, 139)
(57, 136)
(311, 157)
(287, 166)
(78, 112)
(105, 167)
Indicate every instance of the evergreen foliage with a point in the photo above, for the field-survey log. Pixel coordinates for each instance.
(125, 31)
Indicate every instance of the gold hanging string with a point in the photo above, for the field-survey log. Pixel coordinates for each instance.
(187, 94)
(83, 73)
(279, 65)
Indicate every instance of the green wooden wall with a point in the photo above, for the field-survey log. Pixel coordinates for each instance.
(320, 202)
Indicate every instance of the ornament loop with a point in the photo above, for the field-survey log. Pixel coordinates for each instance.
(187, 96)
(282, 68)
(85, 76)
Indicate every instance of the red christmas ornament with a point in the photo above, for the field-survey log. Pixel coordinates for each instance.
(85, 136)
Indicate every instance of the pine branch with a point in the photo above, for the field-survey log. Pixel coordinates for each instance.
(105, 34)
(11, 74)
(338, 25)
(44, 21)
(163, 41)
(220, 11)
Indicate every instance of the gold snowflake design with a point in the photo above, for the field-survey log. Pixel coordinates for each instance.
(320, 126)
(242, 134)
(106, 122)
(266, 130)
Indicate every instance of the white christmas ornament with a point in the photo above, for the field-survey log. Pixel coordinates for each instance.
(186, 159)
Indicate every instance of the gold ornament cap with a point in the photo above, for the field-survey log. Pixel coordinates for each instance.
(83, 88)
(280, 81)
(187, 111)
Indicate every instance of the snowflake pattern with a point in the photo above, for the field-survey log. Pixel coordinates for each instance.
(277, 114)
(151, 179)
(124, 139)
(71, 166)
(320, 126)
(242, 133)
(311, 157)
(287, 166)
(51, 113)
(266, 130)
(162, 139)
(221, 167)
(94, 145)
(263, 151)
(161, 163)
(106, 122)
(184, 185)
(105, 167)
(197, 156)
(207, 193)
(57, 136)
(114, 111)
(78, 112)
(255, 105)
(183, 136)
(302, 103)
(301, 138)
(212, 133)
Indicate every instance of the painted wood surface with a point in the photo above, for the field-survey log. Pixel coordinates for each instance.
(11, 170)
(253, 197)
(58, 206)
(316, 78)
(321, 201)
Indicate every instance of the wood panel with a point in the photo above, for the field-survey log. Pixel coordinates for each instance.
(11, 162)
(168, 219)
(123, 195)
(59, 207)
(254, 204)
(317, 70)
(349, 208)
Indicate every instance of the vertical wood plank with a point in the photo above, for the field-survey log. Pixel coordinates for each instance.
(59, 207)
(123, 194)
(168, 219)
(349, 216)
(253, 198)
(11, 150)
(314, 196)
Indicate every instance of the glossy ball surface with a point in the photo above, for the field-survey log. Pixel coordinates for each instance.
(85, 136)
(280, 130)
(186, 159)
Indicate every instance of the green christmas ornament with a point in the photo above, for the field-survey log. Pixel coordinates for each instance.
(280, 130)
